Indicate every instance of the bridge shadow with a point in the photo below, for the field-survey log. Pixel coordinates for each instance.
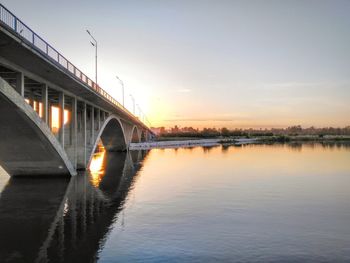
(65, 219)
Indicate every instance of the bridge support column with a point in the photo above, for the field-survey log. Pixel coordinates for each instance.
(84, 131)
(31, 98)
(61, 118)
(82, 136)
(20, 83)
(92, 139)
(98, 119)
(103, 116)
(74, 131)
(44, 101)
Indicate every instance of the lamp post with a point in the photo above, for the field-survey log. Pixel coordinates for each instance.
(122, 83)
(133, 105)
(95, 45)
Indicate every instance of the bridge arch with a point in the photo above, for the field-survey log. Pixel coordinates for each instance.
(143, 136)
(112, 136)
(28, 145)
(135, 135)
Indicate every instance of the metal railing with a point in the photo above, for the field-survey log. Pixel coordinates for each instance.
(8, 19)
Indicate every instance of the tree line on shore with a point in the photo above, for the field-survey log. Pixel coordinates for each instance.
(225, 132)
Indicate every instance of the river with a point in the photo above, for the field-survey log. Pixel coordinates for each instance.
(250, 203)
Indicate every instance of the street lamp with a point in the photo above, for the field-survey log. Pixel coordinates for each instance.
(133, 100)
(95, 45)
(122, 83)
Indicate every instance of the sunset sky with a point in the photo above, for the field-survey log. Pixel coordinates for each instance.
(210, 63)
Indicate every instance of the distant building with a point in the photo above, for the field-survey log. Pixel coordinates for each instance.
(158, 130)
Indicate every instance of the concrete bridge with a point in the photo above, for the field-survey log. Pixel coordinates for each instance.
(52, 116)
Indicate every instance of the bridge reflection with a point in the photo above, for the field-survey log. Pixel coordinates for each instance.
(65, 219)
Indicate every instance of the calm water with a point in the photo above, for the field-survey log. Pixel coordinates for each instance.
(256, 203)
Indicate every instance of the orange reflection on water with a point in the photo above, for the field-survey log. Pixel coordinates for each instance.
(222, 167)
(97, 167)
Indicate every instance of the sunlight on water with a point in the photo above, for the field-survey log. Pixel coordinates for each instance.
(253, 203)
(97, 166)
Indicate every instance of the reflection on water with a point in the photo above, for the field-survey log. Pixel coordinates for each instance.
(252, 203)
(97, 168)
(64, 220)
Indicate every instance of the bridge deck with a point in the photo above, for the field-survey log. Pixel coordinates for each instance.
(22, 47)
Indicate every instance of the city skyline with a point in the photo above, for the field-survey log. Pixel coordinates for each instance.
(232, 64)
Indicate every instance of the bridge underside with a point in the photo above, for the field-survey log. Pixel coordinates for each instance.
(26, 146)
(52, 117)
(32, 143)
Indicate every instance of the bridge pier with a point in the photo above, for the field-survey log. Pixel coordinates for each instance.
(92, 127)
(20, 83)
(81, 137)
(61, 118)
(98, 119)
(45, 103)
(74, 131)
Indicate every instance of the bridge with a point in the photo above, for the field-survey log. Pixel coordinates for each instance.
(52, 115)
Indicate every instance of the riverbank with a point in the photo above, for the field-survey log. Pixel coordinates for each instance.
(304, 138)
(192, 142)
(189, 143)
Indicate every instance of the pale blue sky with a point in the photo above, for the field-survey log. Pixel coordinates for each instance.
(210, 63)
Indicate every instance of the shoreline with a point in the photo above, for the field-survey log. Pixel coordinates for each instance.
(188, 143)
(178, 143)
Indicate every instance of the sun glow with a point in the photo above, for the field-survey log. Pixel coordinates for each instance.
(55, 119)
(37, 106)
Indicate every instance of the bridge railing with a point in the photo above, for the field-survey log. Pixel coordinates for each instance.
(8, 19)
